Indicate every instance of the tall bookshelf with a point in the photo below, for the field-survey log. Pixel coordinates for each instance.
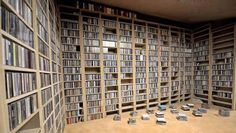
(140, 63)
(126, 65)
(182, 65)
(71, 56)
(94, 60)
(223, 65)
(93, 66)
(201, 63)
(214, 48)
(165, 64)
(188, 66)
(153, 65)
(109, 28)
(175, 65)
(31, 67)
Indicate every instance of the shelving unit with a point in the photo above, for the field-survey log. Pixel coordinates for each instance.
(93, 66)
(188, 67)
(182, 88)
(110, 65)
(126, 65)
(92, 61)
(71, 56)
(126, 61)
(175, 65)
(223, 65)
(153, 65)
(201, 63)
(140, 63)
(165, 65)
(31, 69)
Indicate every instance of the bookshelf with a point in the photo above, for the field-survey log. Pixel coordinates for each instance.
(93, 66)
(201, 62)
(175, 65)
(165, 64)
(188, 66)
(126, 65)
(140, 63)
(30, 67)
(110, 62)
(71, 56)
(153, 64)
(214, 64)
(92, 61)
(182, 65)
(222, 65)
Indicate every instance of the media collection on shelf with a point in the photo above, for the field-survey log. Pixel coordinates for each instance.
(11, 24)
(222, 67)
(18, 83)
(21, 109)
(201, 67)
(188, 66)
(175, 63)
(19, 52)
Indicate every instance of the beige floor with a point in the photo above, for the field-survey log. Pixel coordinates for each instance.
(209, 123)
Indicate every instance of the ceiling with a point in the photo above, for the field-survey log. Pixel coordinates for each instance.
(188, 11)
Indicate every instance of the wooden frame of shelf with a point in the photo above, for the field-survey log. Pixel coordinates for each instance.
(234, 75)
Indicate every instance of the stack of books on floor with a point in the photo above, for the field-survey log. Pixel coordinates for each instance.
(202, 110)
(145, 117)
(185, 108)
(159, 114)
(174, 111)
(133, 113)
(132, 121)
(197, 113)
(160, 118)
(117, 117)
(162, 107)
(161, 121)
(224, 112)
(182, 117)
(190, 105)
(172, 106)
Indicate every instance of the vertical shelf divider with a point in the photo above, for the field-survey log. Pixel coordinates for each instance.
(234, 68)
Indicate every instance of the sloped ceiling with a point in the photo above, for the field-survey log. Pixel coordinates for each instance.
(189, 11)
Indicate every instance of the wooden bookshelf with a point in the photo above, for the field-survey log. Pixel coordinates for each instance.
(153, 46)
(165, 62)
(126, 65)
(31, 70)
(216, 58)
(201, 62)
(176, 55)
(188, 66)
(127, 61)
(222, 65)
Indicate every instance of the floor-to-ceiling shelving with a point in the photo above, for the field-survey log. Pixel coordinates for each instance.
(93, 61)
(31, 69)
(201, 62)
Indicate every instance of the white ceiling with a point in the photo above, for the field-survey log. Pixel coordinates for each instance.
(190, 11)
